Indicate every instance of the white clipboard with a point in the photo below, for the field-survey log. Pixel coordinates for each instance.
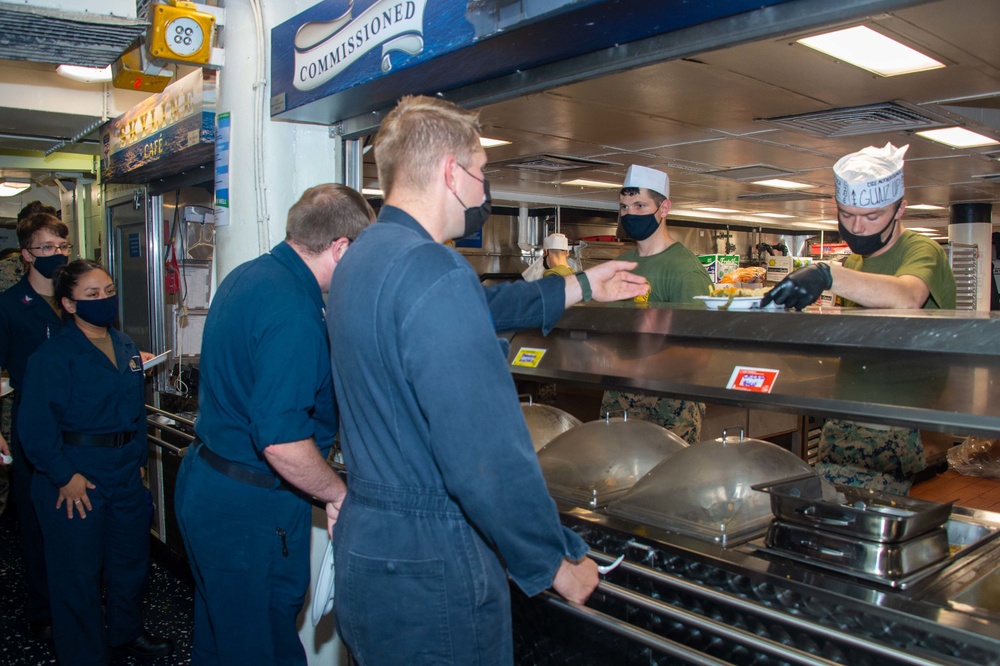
(156, 360)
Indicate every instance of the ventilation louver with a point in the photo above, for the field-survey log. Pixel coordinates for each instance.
(852, 121)
(751, 172)
(89, 39)
(550, 163)
(783, 196)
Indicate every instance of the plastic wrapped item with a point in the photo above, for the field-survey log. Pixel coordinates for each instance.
(976, 456)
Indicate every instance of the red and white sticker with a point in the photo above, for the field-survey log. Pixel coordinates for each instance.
(758, 380)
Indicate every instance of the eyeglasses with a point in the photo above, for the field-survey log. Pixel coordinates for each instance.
(48, 250)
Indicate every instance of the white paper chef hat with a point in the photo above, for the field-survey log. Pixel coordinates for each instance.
(651, 179)
(555, 242)
(871, 177)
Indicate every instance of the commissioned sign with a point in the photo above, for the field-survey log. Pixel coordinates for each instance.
(162, 135)
(342, 58)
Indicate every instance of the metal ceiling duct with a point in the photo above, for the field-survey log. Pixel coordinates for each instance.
(853, 121)
(43, 34)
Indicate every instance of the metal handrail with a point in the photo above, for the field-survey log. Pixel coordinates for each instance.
(171, 415)
(643, 636)
(762, 611)
(178, 451)
(746, 638)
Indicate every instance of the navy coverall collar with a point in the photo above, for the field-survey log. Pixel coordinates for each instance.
(27, 298)
(84, 344)
(401, 217)
(288, 257)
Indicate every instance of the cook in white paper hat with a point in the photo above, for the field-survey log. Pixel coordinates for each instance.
(651, 179)
(555, 242)
(644, 201)
(869, 181)
(871, 177)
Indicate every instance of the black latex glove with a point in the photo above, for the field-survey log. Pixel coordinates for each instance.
(800, 288)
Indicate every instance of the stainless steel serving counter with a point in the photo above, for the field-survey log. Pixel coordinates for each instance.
(928, 369)
(675, 599)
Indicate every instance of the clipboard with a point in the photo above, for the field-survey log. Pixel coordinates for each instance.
(156, 360)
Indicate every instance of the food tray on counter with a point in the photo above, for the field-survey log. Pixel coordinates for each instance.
(857, 513)
(897, 565)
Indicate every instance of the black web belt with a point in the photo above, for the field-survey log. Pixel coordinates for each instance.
(234, 471)
(111, 440)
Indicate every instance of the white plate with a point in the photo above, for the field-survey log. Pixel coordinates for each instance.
(739, 302)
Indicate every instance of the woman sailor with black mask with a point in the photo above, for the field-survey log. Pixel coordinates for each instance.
(82, 420)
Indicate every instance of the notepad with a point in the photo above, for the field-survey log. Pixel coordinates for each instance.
(156, 360)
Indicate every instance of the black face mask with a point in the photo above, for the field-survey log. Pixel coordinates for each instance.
(476, 216)
(98, 312)
(640, 227)
(46, 266)
(866, 245)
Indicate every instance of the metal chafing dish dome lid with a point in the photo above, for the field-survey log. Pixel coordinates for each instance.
(546, 422)
(595, 462)
(705, 490)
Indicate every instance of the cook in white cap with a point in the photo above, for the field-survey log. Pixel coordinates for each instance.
(889, 267)
(675, 276)
(555, 253)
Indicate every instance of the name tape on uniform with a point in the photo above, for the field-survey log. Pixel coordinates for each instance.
(758, 380)
(528, 357)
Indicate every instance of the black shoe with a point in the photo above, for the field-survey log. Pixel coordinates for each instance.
(41, 630)
(145, 647)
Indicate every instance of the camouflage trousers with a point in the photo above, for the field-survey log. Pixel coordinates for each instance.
(682, 417)
(878, 458)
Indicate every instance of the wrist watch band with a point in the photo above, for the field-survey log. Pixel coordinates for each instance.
(584, 285)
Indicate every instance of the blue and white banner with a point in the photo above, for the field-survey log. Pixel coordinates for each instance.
(324, 50)
(341, 58)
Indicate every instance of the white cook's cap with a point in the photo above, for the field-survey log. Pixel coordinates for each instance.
(555, 242)
(651, 179)
(871, 177)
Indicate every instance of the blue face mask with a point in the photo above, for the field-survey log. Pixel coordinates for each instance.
(46, 266)
(101, 312)
(640, 227)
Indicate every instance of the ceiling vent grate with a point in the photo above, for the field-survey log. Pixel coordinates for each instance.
(783, 196)
(751, 172)
(67, 38)
(870, 119)
(550, 163)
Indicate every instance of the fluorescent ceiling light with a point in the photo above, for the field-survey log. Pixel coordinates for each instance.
(921, 230)
(10, 188)
(709, 209)
(85, 74)
(958, 137)
(775, 215)
(584, 182)
(863, 47)
(923, 207)
(372, 192)
(490, 143)
(783, 184)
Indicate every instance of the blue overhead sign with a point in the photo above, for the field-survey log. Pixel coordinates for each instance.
(360, 55)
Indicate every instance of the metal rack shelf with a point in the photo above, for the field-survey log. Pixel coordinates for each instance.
(930, 369)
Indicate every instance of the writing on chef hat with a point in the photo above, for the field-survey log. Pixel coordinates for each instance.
(871, 177)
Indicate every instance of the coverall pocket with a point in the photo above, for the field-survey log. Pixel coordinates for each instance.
(398, 611)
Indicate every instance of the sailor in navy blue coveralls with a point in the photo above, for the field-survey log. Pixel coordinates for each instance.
(416, 571)
(265, 380)
(79, 414)
(26, 321)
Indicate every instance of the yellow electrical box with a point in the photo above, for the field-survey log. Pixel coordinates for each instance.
(181, 33)
(131, 71)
